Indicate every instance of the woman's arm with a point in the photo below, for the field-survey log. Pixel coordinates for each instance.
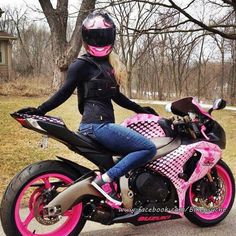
(75, 73)
(125, 102)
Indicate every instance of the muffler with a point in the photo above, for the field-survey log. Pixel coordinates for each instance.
(97, 213)
(71, 196)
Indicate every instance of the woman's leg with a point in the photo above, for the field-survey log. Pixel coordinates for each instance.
(137, 151)
(135, 148)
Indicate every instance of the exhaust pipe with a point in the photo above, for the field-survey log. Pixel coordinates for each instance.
(101, 215)
(71, 196)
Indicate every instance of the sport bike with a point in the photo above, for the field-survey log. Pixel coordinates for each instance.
(187, 177)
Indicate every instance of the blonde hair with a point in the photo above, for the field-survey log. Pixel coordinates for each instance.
(119, 69)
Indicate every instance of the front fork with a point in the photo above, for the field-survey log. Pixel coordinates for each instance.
(213, 180)
(209, 176)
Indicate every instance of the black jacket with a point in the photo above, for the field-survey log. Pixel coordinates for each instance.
(94, 109)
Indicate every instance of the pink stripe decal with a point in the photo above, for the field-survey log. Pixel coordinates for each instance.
(154, 218)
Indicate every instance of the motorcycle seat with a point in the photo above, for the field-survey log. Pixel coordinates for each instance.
(161, 141)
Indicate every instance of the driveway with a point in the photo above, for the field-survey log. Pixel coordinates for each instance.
(178, 227)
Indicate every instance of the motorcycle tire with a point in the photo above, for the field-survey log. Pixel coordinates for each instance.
(23, 198)
(209, 217)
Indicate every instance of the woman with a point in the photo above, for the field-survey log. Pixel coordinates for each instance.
(97, 84)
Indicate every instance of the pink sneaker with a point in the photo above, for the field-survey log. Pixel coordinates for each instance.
(109, 190)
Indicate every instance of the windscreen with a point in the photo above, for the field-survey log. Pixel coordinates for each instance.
(183, 106)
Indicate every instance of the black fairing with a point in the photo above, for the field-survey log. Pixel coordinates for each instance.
(217, 134)
(80, 144)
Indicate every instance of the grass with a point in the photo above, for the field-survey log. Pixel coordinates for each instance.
(20, 147)
(24, 86)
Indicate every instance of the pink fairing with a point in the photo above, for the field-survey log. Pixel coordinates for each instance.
(99, 51)
(201, 110)
(145, 124)
(70, 217)
(172, 164)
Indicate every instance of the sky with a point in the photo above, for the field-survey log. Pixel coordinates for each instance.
(30, 2)
(35, 4)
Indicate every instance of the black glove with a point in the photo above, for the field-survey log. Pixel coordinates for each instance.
(31, 111)
(150, 110)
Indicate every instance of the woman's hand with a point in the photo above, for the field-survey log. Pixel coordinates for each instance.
(150, 110)
(31, 111)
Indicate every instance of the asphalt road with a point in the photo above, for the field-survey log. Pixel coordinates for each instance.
(178, 227)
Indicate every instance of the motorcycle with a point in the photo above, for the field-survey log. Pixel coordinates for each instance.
(187, 177)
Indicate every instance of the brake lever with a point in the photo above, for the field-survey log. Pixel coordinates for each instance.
(203, 128)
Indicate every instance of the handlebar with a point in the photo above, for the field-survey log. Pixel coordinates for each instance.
(194, 128)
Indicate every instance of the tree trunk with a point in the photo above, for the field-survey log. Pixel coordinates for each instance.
(222, 73)
(58, 76)
(64, 52)
(128, 84)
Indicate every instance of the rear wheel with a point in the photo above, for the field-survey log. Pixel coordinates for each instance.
(27, 194)
(206, 207)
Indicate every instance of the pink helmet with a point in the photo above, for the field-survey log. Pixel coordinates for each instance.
(98, 33)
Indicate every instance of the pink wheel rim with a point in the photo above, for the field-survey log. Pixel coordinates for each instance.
(72, 216)
(212, 215)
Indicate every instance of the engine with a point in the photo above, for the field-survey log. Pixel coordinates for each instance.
(149, 186)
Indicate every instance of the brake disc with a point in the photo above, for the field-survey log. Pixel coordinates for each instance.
(214, 201)
(39, 216)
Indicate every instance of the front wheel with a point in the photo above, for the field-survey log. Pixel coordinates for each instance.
(208, 203)
(27, 194)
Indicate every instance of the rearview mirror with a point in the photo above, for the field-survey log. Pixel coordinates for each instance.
(219, 104)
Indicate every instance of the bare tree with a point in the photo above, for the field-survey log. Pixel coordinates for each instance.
(151, 69)
(32, 48)
(131, 14)
(6, 23)
(16, 22)
(220, 42)
(213, 24)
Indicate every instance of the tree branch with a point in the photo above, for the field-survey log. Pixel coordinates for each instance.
(49, 12)
(201, 24)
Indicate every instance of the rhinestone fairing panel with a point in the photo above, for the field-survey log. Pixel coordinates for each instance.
(50, 119)
(145, 124)
(172, 164)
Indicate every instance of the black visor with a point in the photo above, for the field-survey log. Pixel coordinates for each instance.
(99, 37)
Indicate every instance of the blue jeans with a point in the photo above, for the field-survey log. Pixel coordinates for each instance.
(136, 149)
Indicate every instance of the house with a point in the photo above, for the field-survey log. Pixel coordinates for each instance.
(5, 55)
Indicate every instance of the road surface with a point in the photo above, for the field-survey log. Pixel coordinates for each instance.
(178, 227)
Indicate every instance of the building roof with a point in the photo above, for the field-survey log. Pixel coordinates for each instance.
(5, 36)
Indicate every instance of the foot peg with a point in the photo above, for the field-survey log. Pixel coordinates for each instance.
(113, 205)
